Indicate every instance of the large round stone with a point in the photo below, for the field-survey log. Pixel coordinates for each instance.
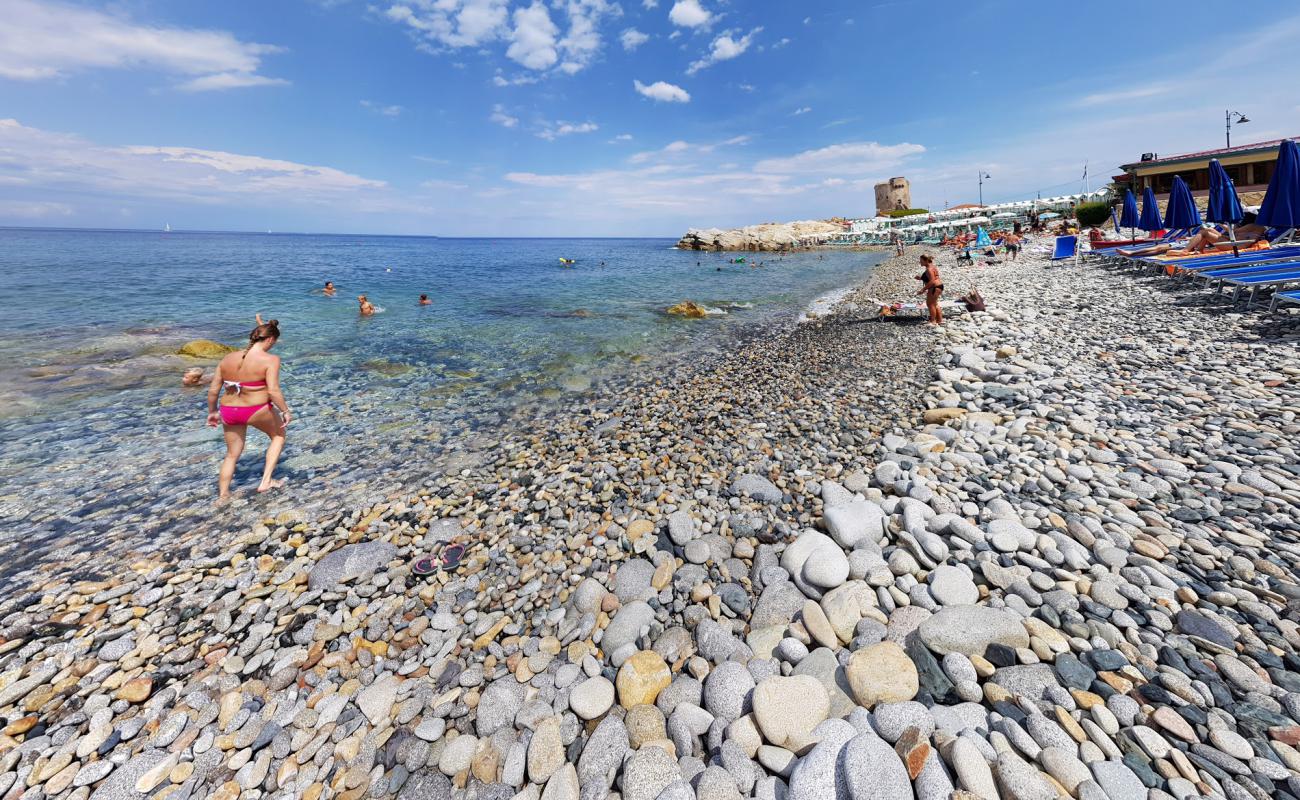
(787, 710)
(641, 678)
(971, 629)
(881, 673)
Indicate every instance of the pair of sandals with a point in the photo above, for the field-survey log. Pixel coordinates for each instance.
(447, 559)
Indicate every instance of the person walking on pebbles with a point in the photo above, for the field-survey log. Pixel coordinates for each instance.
(250, 383)
(932, 288)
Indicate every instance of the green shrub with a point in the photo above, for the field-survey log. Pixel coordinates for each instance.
(906, 212)
(1091, 214)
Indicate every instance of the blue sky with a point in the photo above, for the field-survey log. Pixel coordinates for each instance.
(594, 117)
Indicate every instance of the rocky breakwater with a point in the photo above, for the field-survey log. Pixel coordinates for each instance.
(1070, 582)
(767, 236)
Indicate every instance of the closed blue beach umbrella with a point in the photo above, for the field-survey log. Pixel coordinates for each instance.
(1128, 215)
(1150, 219)
(1281, 206)
(1223, 205)
(1181, 213)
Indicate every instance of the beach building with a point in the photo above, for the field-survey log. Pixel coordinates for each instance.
(1249, 165)
(894, 194)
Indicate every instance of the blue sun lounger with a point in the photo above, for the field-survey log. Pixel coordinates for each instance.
(1261, 280)
(1066, 247)
(1284, 297)
(1203, 263)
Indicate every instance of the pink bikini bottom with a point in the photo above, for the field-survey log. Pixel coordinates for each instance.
(240, 415)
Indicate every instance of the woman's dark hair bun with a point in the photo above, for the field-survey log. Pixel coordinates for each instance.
(267, 330)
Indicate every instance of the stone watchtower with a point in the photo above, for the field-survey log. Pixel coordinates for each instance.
(892, 195)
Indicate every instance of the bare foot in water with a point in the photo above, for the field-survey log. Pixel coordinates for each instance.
(222, 500)
(269, 485)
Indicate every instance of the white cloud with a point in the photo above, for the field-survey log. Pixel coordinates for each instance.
(453, 23)
(43, 40)
(623, 137)
(229, 80)
(45, 161)
(533, 40)
(514, 80)
(500, 117)
(440, 184)
(744, 138)
(724, 48)
(746, 87)
(532, 37)
(551, 132)
(800, 111)
(649, 3)
(1107, 98)
(380, 108)
(689, 14)
(632, 39)
(850, 158)
(785, 40)
(582, 42)
(663, 92)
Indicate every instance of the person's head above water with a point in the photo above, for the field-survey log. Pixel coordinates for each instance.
(424, 297)
(268, 332)
(329, 284)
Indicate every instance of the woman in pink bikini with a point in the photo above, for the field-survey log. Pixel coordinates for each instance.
(250, 382)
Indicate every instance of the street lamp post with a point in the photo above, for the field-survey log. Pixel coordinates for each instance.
(983, 176)
(1228, 120)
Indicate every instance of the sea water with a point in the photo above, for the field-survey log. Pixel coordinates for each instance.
(98, 438)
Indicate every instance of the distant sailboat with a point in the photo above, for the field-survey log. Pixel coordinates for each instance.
(167, 228)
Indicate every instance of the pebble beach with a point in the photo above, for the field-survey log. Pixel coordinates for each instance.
(1048, 550)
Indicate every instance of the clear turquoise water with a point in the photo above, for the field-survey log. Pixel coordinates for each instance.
(96, 433)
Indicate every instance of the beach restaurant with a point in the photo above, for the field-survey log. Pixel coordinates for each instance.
(1249, 165)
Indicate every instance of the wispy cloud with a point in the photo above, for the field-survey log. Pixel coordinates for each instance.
(1122, 95)
(798, 112)
(662, 92)
(849, 158)
(724, 48)
(381, 109)
(632, 39)
(552, 131)
(45, 40)
(57, 161)
(500, 117)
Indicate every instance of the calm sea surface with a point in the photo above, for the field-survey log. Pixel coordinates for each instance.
(97, 437)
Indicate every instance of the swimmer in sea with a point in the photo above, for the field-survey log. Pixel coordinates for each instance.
(366, 307)
(193, 377)
(329, 289)
(425, 301)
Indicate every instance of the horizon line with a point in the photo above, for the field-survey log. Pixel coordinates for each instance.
(161, 232)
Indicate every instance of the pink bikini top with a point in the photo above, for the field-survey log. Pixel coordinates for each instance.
(239, 387)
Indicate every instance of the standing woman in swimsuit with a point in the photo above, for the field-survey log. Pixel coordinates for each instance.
(933, 288)
(250, 383)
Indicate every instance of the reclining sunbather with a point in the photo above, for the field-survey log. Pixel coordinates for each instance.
(1207, 239)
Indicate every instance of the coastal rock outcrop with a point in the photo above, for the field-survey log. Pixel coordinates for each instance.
(205, 348)
(766, 236)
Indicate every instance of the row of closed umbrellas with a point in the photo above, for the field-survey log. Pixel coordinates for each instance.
(1280, 209)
